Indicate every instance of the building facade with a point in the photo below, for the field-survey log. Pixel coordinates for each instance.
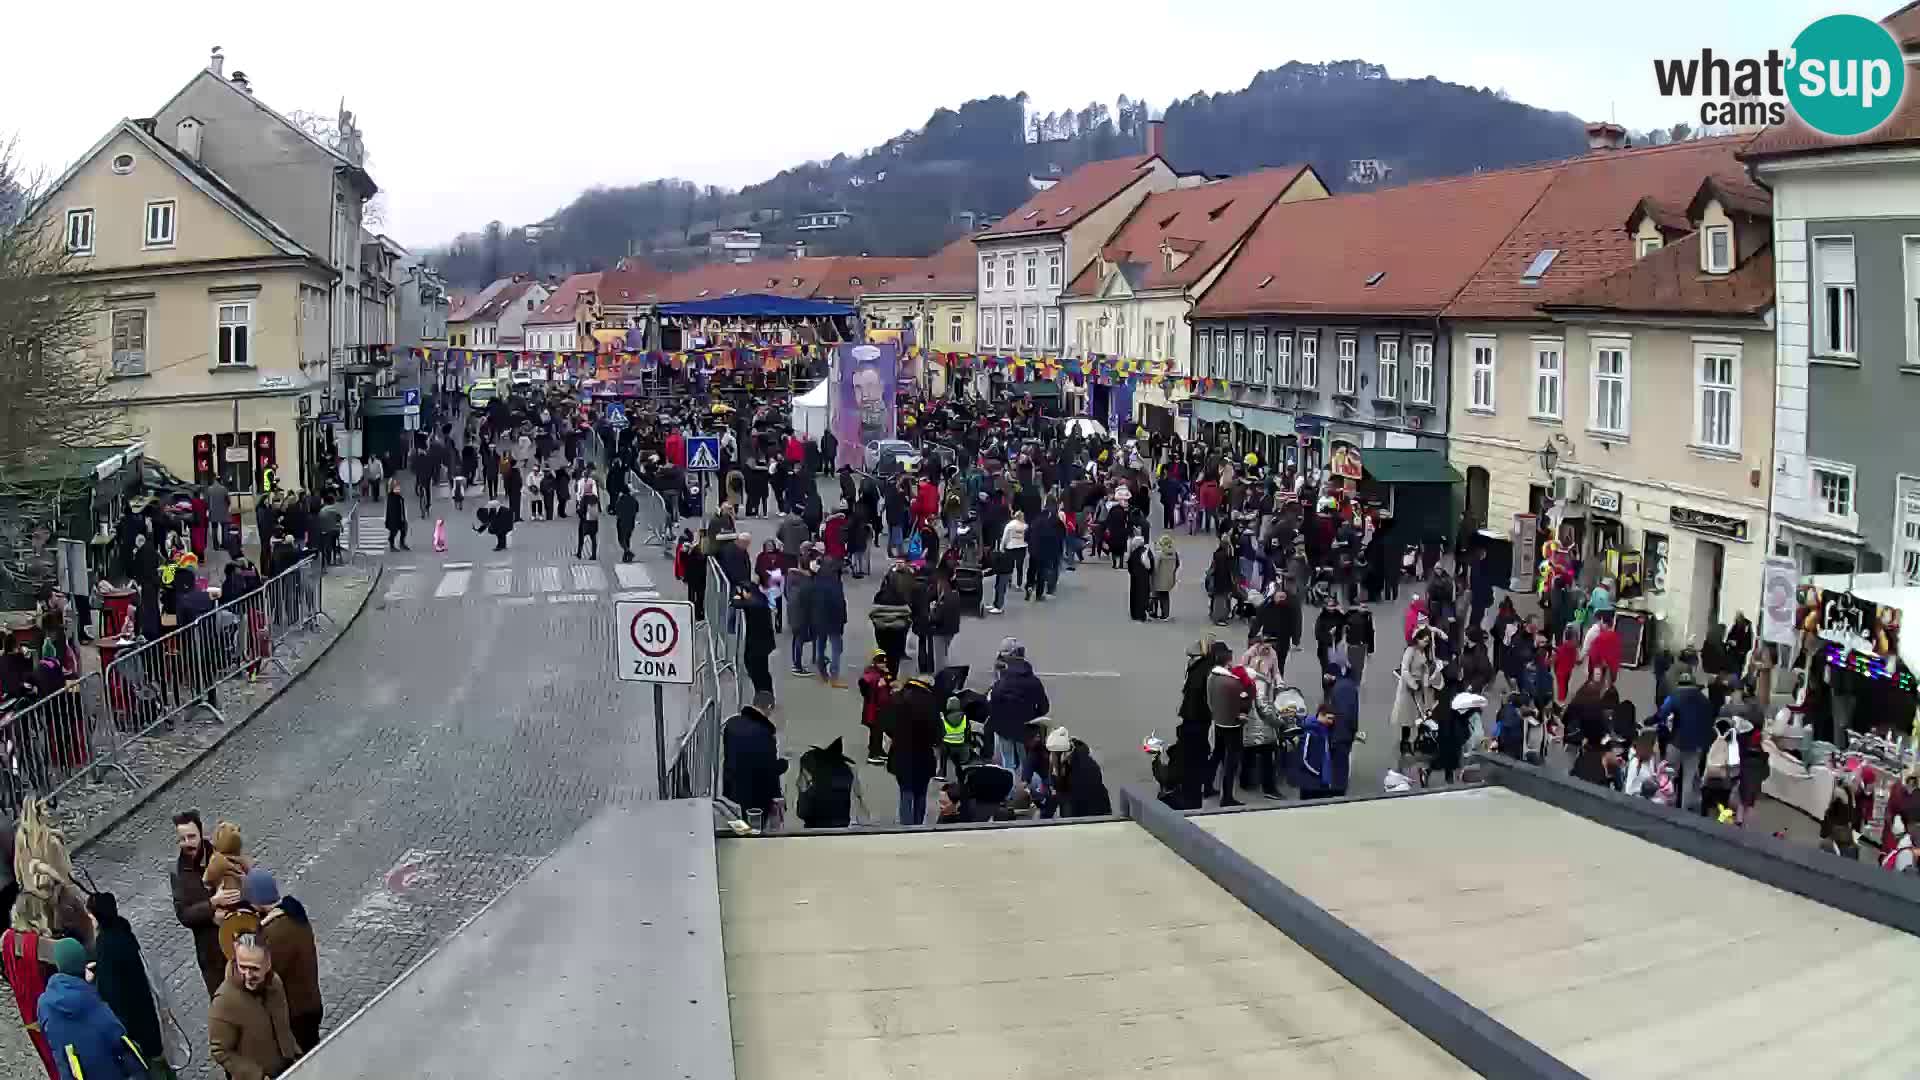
(934, 297)
(213, 322)
(564, 320)
(1846, 468)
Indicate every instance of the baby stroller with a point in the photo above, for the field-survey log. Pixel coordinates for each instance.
(827, 788)
(984, 790)
(1321, 589)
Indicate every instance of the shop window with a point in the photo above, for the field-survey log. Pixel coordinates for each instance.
(1907, 532)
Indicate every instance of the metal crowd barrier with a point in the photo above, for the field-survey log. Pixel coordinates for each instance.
(720, 687)
(86, 728)
(661, 522)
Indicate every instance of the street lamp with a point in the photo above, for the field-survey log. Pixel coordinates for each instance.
(1549, 457)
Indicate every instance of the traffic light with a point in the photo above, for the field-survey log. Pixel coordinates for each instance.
(204, 467)
(266, 469)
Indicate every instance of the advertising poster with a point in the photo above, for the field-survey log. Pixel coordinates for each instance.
(1778, 599)
(864, 406)
(1120, 408)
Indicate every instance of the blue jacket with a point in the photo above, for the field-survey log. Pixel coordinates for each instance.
(827, 604)
(1016, 698)
(1691, 715)
(79, 1027)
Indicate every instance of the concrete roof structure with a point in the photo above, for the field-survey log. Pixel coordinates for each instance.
(1088, 950)
(1619, 957)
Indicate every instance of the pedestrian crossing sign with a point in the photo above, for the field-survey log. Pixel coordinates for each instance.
(616, 416)
(703, 454)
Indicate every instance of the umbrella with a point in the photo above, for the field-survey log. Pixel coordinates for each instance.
(1086, 427)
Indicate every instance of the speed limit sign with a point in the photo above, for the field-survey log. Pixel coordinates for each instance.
(653, 641)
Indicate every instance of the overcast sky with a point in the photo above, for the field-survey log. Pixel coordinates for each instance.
(473, 113)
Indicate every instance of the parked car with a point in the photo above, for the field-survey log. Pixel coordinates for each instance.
(884, 457)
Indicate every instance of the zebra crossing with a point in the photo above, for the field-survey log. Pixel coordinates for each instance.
(575, 583)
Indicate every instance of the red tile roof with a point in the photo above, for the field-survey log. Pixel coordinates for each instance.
(1580, 215)
(629, 282)
(1078, 194)
(501, 301)
(1203, 223)
(1903, 127)
(1670, 282)
(1428, 239)
(559, 308)
(950, 270)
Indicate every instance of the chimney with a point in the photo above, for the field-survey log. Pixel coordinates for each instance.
(1605, 135)
(240, 82)
(1156, 137)
(217, 63)
(186, 137)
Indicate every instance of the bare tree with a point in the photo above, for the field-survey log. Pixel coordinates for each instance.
(57, 399)
(326, 131)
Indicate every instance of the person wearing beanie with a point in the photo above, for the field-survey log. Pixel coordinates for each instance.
(86, 1038)
(120, 974)
(288, 935)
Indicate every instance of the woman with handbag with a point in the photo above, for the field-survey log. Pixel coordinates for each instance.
(1418, 677)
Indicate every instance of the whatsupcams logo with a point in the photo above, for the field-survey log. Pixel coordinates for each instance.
(1843, 76)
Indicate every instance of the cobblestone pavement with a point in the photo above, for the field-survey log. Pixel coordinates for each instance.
(445, 746)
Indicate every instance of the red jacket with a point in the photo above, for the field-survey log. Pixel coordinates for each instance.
(834, 533)
(1604, 653)
(1209, 496)
(926, 501)
(796, 450)
(677, 449)
(876, 693)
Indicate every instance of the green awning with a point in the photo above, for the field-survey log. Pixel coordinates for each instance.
(1035, 388)
(1408, 467)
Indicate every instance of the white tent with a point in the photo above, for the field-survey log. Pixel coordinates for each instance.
(810, 411)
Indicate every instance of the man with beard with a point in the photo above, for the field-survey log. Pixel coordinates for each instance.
(193, 903)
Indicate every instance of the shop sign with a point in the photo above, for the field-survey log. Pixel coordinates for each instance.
(1857, 624)
(1700, 521)
(1345, 462)
(1606, 500)
(1308, 427)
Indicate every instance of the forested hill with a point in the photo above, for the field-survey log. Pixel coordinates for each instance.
(913, 192)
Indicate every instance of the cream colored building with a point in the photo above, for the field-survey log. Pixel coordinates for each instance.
(1653, 388)
(935, 297)
(1131, 302)
(213, 321)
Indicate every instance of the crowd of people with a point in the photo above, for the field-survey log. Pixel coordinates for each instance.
(91, 1007)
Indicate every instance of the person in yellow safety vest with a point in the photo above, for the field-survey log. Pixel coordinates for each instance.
(953, 738)
(266, 480)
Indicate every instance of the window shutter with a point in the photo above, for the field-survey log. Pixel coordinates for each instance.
(1833, 262)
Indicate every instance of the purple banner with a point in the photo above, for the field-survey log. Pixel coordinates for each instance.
(864, 405)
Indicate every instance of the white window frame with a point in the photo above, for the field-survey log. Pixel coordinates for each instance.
(222, 324)
(1033, 270)
(1203, 355)
(1010, 337)
(1238, 371)
(1422, 371)
(1220, 355)
(1557, 376)
(169, 216)
(129, 365)
(1258, 358)
(1030, 330)
(80, 231)
(1283, 358)
(1310, 360)
(1906, 529)
(1703, 351)
(1006, 271)
(1647, 245)
(987, 336)
(956, 326)
(1346, 378)
(986, 274)
(1053, 269)
(1600, 381)
(1843, 293)
(1483, 379)
(1707, 237)
(1909, 264)
(1386, 362)
(1818, 503)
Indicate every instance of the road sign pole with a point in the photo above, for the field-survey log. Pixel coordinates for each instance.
(660, 737)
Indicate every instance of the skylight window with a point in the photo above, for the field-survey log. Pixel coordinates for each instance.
(704, 292)
(1030, 215)
(1265, 281)
(796, 283)
(1167, 222)
(1064, 211)
(1214, 214)
(771, 282)
(1538, 267)
(1375, 278)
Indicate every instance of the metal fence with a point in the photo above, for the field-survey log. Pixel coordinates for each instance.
(720, 687)
(88, 727)
(660, 517)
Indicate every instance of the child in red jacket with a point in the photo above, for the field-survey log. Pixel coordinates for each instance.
(1565, 658)
(876, 695)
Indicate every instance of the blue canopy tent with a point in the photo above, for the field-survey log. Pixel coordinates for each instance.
(756, 305)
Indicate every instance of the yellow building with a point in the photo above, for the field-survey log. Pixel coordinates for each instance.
(936, 298)
(212, 322)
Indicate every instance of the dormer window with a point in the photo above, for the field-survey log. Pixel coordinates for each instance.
(1645, 246)
(1716, 249)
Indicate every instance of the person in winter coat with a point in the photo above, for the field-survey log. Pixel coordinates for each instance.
(192, 902)
(248, 1027)
(1229, 700)
(1419, 676)
(827, 607)
(1017, 698)
(1079, 789)
(1344, 701)
(1329, 631)
(1687, 715)
(1259, 740)
(876, 698)
(943, 621)
(1222, 582)
(1166, 576)
(288, 935)
(793, 533)
(86, 1038)
(1359, 640)
(1313, 761)
(1566, 657)
(752, 763)
(396, 517)
(1190, 755)
(914, 731)
(892, 616)
(121, 977)
(1046, 543)
(799, 601)
(758, 637)
(1139, 563)
(626, 509)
